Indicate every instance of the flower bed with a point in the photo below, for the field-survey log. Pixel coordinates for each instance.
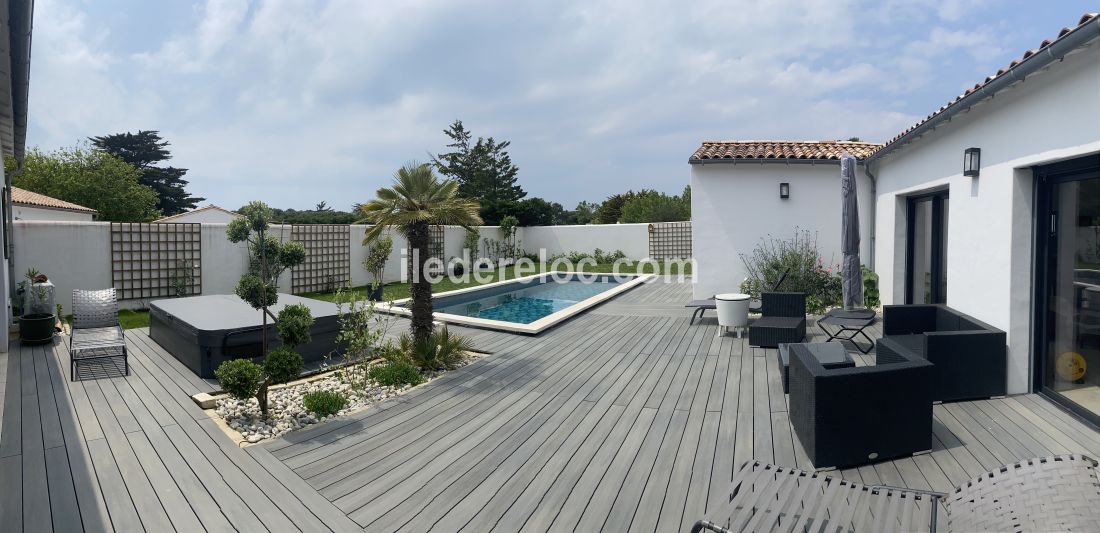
(286, 412)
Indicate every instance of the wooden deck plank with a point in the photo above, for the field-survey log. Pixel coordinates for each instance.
(624, 418)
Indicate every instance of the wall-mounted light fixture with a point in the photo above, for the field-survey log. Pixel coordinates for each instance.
(972, 162)
(784, 190)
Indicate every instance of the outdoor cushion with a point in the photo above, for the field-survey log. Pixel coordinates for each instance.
(778, 322)
(913, 343)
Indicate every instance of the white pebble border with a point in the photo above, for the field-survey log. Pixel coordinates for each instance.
(286, 412)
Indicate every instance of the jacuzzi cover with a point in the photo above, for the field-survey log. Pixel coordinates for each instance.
(203, 331)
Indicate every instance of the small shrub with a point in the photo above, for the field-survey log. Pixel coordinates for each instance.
(576, 257)
(871, 298)
(240, 378)
(282, 364)
(324, 402)
(806, 271)
(396, 374)
(293, 325)
(442, 351)
(377, 255)
(253, 290)
(470, 242)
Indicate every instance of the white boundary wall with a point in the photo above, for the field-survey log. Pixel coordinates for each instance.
(632, 239)
(78, 254)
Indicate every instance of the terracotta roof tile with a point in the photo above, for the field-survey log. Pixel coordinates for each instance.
(1085, 19)
(25, 197)
(828, 150)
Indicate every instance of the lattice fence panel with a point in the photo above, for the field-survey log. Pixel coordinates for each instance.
(155, 260)
(435, 248)
(670, 240)
(328, 258)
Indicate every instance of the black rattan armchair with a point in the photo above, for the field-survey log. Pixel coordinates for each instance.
(969, 355)
(783, 319)
(97, 336)
(850, 416)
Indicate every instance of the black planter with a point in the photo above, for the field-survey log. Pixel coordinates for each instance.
(375, 293)
(36, 328)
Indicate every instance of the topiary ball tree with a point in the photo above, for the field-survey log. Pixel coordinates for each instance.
(268, 259)
(244, 379)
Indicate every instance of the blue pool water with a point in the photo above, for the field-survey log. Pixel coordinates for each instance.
(526, 302)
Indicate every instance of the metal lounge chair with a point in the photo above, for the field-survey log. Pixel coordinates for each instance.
(1060, 493)
(97, 335)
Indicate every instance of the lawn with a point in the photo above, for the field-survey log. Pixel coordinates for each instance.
(134, 319)
(397, 291)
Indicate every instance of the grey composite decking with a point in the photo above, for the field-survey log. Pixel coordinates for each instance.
(625, 418)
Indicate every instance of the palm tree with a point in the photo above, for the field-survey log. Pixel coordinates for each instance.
(417, 201)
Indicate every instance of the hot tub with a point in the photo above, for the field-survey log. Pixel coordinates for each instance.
(203, 331)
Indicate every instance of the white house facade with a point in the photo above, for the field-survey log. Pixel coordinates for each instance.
(990, 205)
(28, 205)
(992, 226)
(736, 201)
(210, 214)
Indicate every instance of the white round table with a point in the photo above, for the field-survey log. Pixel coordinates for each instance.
(733, 311)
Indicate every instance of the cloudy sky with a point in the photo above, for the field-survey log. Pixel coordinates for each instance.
(295, 102)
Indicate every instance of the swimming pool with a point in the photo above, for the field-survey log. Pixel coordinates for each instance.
(530, 304)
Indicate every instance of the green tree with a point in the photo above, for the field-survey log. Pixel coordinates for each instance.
(484, 172)
(268, 259)
(144, 150)
(91, 178)
(584, 213)
(536, 212)
(325, 215)
(416, 201)
(653, 206)
(611, 209)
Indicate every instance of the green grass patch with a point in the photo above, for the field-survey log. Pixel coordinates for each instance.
(398, 291)
(132, 319)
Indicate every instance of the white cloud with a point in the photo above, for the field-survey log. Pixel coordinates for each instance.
(299, 101)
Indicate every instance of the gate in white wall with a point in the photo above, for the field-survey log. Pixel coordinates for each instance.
(670, 240)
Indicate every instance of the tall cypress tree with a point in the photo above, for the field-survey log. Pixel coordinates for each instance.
(144, 150)
(484, 172)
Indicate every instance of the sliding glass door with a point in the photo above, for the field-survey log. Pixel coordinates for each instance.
(1068, 231)
(926, 257)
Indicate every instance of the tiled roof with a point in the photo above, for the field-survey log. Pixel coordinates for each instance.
(207, 208)
(1085, 19)
(33, 199)
(727, 150)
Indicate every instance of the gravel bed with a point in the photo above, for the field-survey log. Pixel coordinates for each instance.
(286, 412)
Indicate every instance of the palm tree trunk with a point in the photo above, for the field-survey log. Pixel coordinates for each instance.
(421, 289)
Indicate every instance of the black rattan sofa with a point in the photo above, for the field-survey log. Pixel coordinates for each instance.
(968, 354)
(850, 416)
(783, 319)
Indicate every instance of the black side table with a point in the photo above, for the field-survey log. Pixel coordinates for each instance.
(851, 322)
(829, 354)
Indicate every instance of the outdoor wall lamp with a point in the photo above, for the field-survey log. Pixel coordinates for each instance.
(972, 162)
(784, 190)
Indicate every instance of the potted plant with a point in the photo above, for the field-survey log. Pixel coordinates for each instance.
(375, 264)
(37, 323)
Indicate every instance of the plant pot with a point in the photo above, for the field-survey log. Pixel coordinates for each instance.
(374, 293)
(36, 328)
